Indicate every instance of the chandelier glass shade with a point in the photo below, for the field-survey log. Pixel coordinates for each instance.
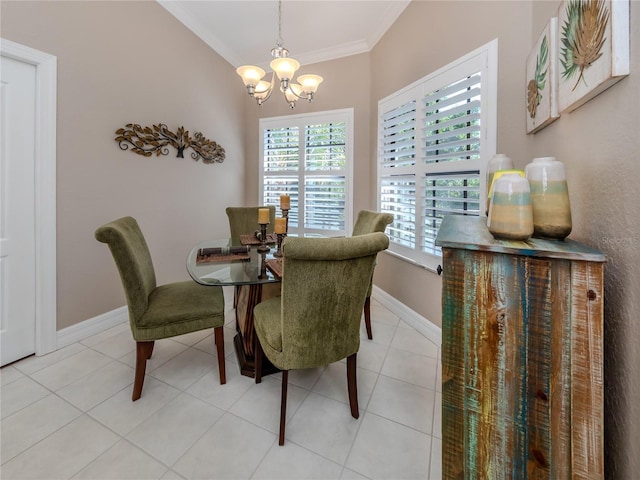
(284, 68)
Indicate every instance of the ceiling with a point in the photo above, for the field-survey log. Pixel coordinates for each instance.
(244, 31)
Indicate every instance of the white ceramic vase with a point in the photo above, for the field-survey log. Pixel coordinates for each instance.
(510, 214)
(498, 162)
(549, 198)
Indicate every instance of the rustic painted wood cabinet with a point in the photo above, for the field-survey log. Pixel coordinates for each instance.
(522, 393)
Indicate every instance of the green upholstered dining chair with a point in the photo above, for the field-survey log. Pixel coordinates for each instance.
(316, 321)
(369, 222)
(244, 220)
(157, 312)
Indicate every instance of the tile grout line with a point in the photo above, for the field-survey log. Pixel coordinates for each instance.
(192, 346)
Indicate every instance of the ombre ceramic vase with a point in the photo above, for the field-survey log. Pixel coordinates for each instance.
(549, 198)
(497, 163)
(510, 213)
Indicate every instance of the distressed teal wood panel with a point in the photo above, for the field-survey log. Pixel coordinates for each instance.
(559, 381)
(496, 347)
(485, 358)
(522, 352)
(453, 427)
(587, 396)
(538, 317)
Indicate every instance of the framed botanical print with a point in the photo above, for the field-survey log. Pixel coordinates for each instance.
(593, 42)
(542, 79)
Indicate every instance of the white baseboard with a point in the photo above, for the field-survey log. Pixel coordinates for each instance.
(92, 326)
(86, 328)
(417, 321)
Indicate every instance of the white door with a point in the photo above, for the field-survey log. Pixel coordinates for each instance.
(17, 209)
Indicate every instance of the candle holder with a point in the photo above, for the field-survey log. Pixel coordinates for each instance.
(263, 264)
(278, 252)
(263, 238)
(285, 214)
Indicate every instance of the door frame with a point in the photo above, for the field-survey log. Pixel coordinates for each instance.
(45, 190)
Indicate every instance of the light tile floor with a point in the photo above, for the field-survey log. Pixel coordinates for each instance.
(69, 414)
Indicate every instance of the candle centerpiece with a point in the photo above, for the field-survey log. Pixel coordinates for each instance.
(263, 264)
(263, 220)
(285, 206)
(263, 216)
(281, 232)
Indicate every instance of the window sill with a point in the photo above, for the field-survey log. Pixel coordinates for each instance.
(432, 269)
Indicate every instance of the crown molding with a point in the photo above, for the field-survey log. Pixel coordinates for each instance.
(203, 31)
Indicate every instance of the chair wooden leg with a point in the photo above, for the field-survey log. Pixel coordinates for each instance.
(367, 317)
(257, 358)
(283, 405)
(143, 353)
(218, 333)
(352, 385)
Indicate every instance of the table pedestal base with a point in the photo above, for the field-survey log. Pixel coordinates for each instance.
(248, 296)
(247, 364)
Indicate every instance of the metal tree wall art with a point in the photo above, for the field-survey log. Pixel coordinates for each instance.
(593, 48)
(147, 141)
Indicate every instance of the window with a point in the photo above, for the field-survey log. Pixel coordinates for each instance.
(434, 139)
(310, 158)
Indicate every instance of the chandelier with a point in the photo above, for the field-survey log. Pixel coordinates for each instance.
(284, 67)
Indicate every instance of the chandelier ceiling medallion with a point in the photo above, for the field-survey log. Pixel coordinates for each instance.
(284, 67)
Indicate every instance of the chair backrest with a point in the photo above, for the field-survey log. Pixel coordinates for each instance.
(132, 257)
(324, 285)
(245, 220)
(369, 222)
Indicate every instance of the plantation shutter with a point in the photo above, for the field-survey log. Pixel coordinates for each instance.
(309, 157)
(397, 175)
(280, 166)
(452, 134)
(324, 179)
(433, 139)
(456, 193)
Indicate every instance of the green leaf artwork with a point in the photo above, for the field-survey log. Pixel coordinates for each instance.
(537, 84)
(582, 37)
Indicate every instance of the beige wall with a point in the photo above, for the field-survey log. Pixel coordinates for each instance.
(345, 85)
(599, 144)
(122, 62)
(427, 36)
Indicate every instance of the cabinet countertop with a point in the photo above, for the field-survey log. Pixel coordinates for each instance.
(471, 233)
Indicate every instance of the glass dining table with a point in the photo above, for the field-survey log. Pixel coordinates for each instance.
(251, 273)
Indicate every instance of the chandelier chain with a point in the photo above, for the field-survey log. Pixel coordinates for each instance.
(284, 68)
(280, 41)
